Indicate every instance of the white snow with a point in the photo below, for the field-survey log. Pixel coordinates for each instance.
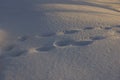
(59, 40)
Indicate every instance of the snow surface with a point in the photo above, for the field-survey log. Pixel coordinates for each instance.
(59, 39)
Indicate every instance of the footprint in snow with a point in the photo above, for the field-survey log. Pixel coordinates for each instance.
(50, 34)
(17, 53)
(12, 50)
(88, 28)
(118, 26)
(45, 48)
(9, 47)
(108, 28)
(118, 32)
(70, 31)
(98, 37)
(82, 43)
(63, 43)
(22, 38)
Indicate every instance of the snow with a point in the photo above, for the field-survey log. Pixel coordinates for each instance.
(59, 40)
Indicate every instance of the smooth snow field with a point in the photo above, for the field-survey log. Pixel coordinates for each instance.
(59, 39)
